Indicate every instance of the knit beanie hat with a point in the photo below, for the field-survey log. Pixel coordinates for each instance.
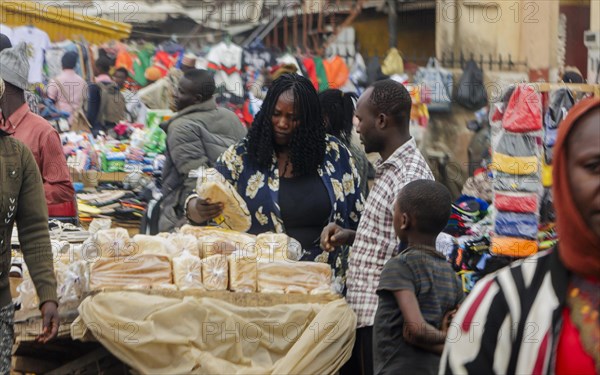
(14, 66)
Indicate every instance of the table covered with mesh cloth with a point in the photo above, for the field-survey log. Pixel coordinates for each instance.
(219, 332)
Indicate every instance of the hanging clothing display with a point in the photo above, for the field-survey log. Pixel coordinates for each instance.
(142, 62)
(321, 74)
(39, 41)
(311, 70)
(337, 72)
(226, 60)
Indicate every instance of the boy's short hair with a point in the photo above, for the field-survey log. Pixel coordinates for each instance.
(429, 202)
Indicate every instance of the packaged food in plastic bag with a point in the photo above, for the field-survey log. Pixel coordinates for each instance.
(71, 280)
(215, 275)
(212, 186)
(27, 298)
(282, 274)
(114, 242)
(524, 110)
(213, 240)
(516, 202)
(510, 224)
(187, 271)
(141, 270)
(277, 246)
(151, 244)
(180, 243)
(513, 247)
(242, 272)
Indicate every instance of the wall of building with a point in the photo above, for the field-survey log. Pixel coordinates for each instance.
(578, 22)
(416, 36)
(595, 15)
(525, 30)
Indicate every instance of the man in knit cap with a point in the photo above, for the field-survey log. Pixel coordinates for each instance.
(35, 132)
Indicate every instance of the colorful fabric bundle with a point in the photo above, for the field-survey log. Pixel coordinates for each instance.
(513, 247)
(514, 164)
(516, 202)
(512, 224)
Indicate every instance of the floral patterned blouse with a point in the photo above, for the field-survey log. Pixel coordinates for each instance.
(260, 189)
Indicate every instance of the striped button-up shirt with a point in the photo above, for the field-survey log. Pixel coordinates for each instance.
(376, 241)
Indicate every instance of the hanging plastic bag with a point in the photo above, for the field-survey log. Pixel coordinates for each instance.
(393, 63)
(436, 86)
(471, 91)
(524, 111)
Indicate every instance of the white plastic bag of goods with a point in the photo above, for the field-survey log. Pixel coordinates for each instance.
(136, 271)
(290, 276)
(187, 271)
(200, 335)
(211, 185)
(113, 242)
(215, 272)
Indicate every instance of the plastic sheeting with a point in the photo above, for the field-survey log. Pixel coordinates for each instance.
(160, 335)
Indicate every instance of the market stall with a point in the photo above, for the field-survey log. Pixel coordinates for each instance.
(506, 211)
(200, 300)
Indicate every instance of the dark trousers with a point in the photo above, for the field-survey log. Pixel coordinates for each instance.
(361, 362)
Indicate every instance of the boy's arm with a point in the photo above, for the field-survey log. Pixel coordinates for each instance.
(416, 330)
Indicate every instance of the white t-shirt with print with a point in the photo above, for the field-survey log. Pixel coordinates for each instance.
(40, 42)
(227, 57)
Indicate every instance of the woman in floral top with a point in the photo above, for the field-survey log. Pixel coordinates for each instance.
(294, 177)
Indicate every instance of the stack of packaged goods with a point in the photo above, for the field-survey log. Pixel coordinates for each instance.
(516, 160)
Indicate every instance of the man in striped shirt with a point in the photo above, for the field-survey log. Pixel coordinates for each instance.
(383, 111)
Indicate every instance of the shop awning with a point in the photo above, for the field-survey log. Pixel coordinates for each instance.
(62, 22)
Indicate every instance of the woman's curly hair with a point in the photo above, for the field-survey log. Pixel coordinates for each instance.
(307, 146)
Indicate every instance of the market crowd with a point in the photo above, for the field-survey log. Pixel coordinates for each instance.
(301, 171)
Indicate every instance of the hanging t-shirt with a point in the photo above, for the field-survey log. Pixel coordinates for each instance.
(39, 41)
(226, 60)
(321, 74)
(337, 72)
(7, 31)
(311, 70)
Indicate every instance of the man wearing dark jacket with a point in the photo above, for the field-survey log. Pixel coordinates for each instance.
(196, 137)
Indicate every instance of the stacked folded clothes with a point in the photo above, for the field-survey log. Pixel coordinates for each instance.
(517, 183)
(466, 211)
(120, 205)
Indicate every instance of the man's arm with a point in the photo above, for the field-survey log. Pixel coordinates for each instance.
(32, 221)
(55, 172)
(416, 330)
